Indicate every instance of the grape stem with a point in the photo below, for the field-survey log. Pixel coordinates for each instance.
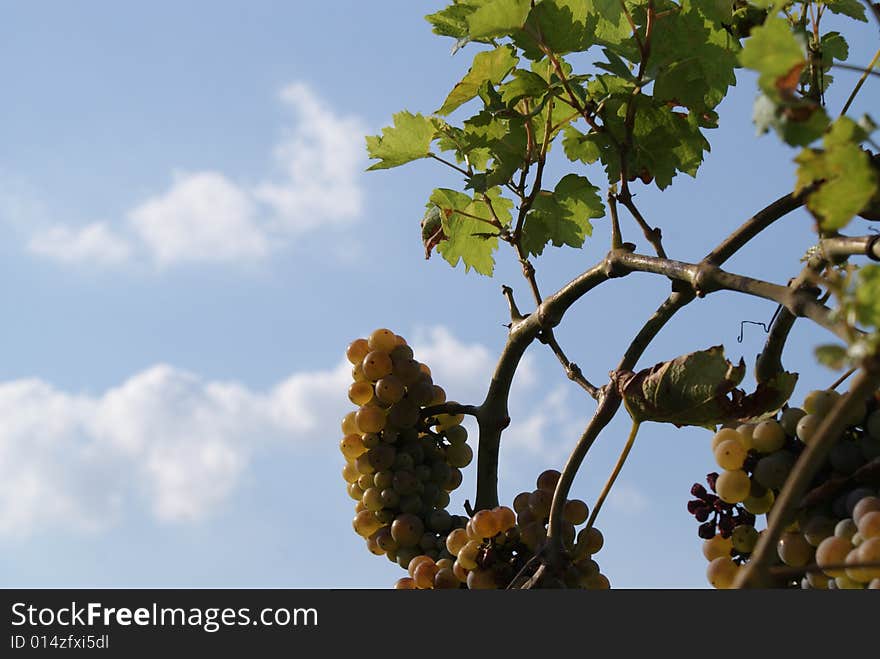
(615, 473)
(755, 573)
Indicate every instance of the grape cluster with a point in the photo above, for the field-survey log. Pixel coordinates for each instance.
(496, 544)
(838, 525)
(400, 467)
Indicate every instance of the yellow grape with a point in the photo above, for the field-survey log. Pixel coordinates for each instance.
(768, 436)
(405, 583)
(832, 551)
(733, 486)
(360, 393)
(370, 419)
(730, 454)
(376, 365)
(721, 572)
(424, 575)
(352, 446)
(717, 546)
(357, 350)
(725, 434)
(382, 339)
(456, 540)
(485, 524)
(416, 561)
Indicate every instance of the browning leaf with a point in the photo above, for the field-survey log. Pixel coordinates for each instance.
(700, 389)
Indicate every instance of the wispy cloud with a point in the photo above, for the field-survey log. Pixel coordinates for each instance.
(206, 216)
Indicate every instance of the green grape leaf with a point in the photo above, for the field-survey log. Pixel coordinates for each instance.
(497, 18)
(833, 47)
(451, 22)
(847, 178)
(467, 239)
(692, 59)
(665, 142)
(699, 389)
(852, 8)
(798, 123)
(524, 84)
(408, 139)
(492, 66)
(867, 296)
(584, 147)
(565, 26)
(562, 217)
(831, 355)
(612, 27)
(776, 54)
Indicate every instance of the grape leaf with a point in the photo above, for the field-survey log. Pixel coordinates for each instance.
(467, 239)
(524, 84)
(408, 139)
(492, 66)
(831, 355)
(612, 26)
(496, 18)
(699, 389)
(848, 179)
(772, 51)
(852, 8)
(565, 26)
(451, 22)
(562, 217)
(692, 59)
(868, 296)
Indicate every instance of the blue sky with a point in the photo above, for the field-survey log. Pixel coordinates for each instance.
(189, 241)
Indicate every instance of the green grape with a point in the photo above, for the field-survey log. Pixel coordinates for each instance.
(349, 425)
(423, 473)
(846, 457)
(440, 472)
(521, 502)
(818, 580)
(592, 539)
(726, 434)
(868, 553)
(407, 529)
(721, 572)
(420, 392)
(383, 340)
(761, 504)
(820, 401)
(352, 446)
(454, 480)
(481, 580)
(439, 396)
(485, 524)
(846, 529)
(506, 518)
(356, 351)
(717, 546)
(794, 550)
(376, 365)
(370, 418)
(547, 480)
(428, 541)
(371, 440)
(456, 434)
(355, 492)
(350, 473)
(403, 462)
(446, 579)
(772, 470)
(817, 528)
(746, 431)
(533, 535)
(459, 455)
(365, 523)
(865, 505)
(385, 540)
(389, 498)
(733, 486)
(390, 389)
(372, 499)
(383, 479)
(407, 370)
(540, 502)
(744, 538)
(442, 500)
(789, 419)
(769, 436)
(845, 583)
(730, 454)
(360, 393)
(405, 555)
(439, 520)
(807, 427)
(869, 524)
(404, 414)
(365, 482)
(832, 551)
(411, 503)
(467, 555)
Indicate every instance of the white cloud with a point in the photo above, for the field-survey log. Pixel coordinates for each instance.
(205, 216)
(167, 440)
(94, 243)
(202, 217)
